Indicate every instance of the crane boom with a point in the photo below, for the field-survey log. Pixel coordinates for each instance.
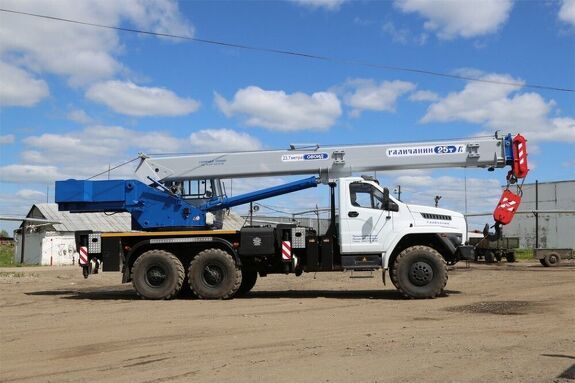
(329, 162)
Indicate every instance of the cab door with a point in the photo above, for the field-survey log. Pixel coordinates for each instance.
(363, 221)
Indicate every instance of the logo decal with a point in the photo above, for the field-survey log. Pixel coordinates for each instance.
(305, 157)
(425, 150)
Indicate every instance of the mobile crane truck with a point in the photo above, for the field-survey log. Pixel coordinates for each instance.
(177, 244)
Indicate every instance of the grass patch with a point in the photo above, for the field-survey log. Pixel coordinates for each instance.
(7, 256)
(523, 254)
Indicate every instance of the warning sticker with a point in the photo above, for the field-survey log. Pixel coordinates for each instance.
(431, 150)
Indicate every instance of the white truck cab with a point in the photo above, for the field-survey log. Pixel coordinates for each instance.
(373, 222)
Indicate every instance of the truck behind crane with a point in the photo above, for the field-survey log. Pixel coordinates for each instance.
(177, 246)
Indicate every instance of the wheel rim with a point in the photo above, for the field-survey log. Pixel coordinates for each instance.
(421, 273)
(552, 259)
(156, 276)
(213, 275)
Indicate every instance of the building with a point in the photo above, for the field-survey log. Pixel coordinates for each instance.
(53, 242)
(555, 230)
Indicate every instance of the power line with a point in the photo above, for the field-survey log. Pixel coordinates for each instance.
(297, 53)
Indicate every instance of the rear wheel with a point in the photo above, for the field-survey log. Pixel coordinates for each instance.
(249, 278)
(419, 272)
(214, 275)
(510, 257)
(489, 257)
(157, 274)
(551, 260)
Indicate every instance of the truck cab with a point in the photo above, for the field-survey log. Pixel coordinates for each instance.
(373, 222)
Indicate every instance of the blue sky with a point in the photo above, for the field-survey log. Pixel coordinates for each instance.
(75, 98)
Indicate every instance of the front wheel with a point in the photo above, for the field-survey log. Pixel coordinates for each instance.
(420, 272)
(214, 275)
(157, 274)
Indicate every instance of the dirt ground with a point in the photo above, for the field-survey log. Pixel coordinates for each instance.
(498, 323)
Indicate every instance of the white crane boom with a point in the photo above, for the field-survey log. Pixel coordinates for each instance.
(329, 162)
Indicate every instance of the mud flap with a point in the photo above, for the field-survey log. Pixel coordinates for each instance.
(465, 252)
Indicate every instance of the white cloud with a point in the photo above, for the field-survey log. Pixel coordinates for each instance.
(84, 153)
(450, 19)
(94, 144)
(29, 194)
(369, 95)
(567, 11)
(80, 53)
(7, 139)
(403, 35)
(29, 173)
(79, 116)
(330, 5)
(20, 88)
(217, 140)
(424, 95)
(276, 110)
(482, 194)
(502, 107)
(133, 100)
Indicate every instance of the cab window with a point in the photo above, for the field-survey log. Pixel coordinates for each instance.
(365, 195)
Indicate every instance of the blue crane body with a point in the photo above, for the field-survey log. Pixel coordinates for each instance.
(152, 208)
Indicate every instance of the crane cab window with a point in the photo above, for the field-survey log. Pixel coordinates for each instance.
(365, 195)
(193, 189)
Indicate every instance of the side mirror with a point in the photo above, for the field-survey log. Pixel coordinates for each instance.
(388, 204)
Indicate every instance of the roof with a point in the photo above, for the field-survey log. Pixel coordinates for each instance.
(80, 221)
(103, 222)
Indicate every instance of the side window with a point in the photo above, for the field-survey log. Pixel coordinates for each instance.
(195, 189)
(365, 195)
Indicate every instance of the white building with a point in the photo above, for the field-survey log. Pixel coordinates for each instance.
(556, 229)
(54, 243)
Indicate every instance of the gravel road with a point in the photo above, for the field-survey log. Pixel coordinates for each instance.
(497, 323)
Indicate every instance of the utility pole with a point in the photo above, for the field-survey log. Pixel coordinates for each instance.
(536, 214)
(465, 193)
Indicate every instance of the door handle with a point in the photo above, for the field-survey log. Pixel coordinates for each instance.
(352, 214)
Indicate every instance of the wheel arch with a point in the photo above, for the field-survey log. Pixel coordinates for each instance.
(433, 240)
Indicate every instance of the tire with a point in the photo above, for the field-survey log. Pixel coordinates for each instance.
(249, 278)
(157, 274)
(186, 290)
(420, 272)
(510, 257)
(393, 277)
(489, 257)
(214, 275)
(551, 260)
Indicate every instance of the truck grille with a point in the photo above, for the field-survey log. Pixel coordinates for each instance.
(436, 216)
